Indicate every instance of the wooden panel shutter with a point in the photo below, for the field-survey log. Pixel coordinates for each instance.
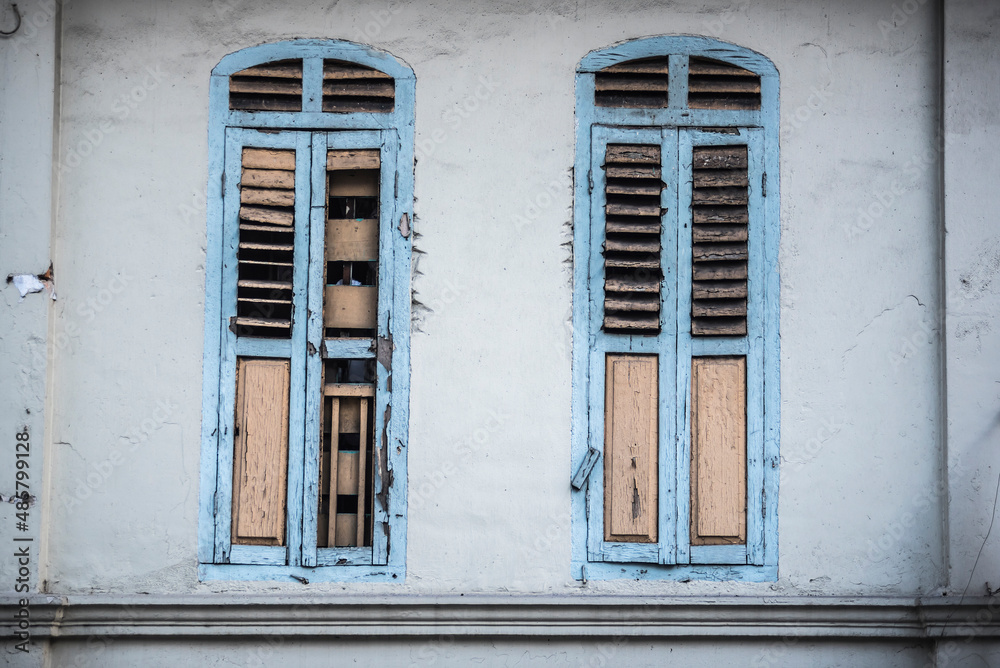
(637, 84)
(631, 447)
(275, 86)
(349, 87)
(720, 218)
(632, 272)
(713, 84)
(266, 243)
(260, 456)
(718, 451)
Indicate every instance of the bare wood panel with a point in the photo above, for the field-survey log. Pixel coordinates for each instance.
(630, 262)
(267, 196)
(718, 451)
(710, 271)
(353, 159)
(268, 178)
(701, 233)
(719, 290)
(632, 321)
(360, 88)
(626, 83)
(265, 87)
(260, 457)
(714, 178)
(348, 390)
(354, 183)
(262, 214)
(631, 453)
(351, 307)
(724, 86)
(715, 308)
(719, 326)
(632, 284)
(632, 172)
(352, 240)
(634, 189)
(717, 252)
(264, 158)
(631, 226)
(331, 509)
(347, 530)
(634, 245)
(721, 214)
(350, 415)
(362, 487)
(625, 209)
(699, 66)
(347, 472)
(716, 196)
(633, 302)
(644, 66)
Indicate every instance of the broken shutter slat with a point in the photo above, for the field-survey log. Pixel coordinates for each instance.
(260, 457)
(631, 460)
(718, 451)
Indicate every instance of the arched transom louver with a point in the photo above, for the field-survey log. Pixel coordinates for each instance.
(646, 83)
(279, 86)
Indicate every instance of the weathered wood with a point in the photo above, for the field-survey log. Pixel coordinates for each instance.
(718, 450)
(360, 88)
(266, 86)
(631, 449)
(632, 226)
(730, 104)
(633, 244)
(714, 308)
(705, 67)
(266, 158)
(640, 302)
(268, 178)
(720, 214)
(716, 252)
(253, 245)
(350, 415)
(719, 196)
(627, 83)
(352, 159)
(632, 172)
(632, 262)
(347, 530)
(334, 69)
(262, 214)
(719, 157)
(747, 85)
(347, 472)
(719, 326)
(645, 322)
(282, 69)
(716, 271)
(349, 390)
(247, 321)
(349, 105)
(363, 437)
(632, 188)
(718, 289)
(351, 240)
(267, 196)
(633, 153)
(640, 66)
(265, 285)
(632, 284)
(256, 102)
(264, 228)
(621, 209)
(351, 307)
(704, 233)
(260, 458)
(713, 178)
(334, 472)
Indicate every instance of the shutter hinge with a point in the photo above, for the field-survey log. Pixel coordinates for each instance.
(590, 180)
(586, 467)
(763, 184)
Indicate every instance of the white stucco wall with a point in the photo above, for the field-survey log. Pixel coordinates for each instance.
(875, 405)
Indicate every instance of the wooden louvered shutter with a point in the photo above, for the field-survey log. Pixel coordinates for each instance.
(713, 84)
(632, 270)
(349, 87)
(637, 84)
(720, 216)
(275, 86)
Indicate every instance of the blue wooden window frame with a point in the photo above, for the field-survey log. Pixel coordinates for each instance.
(676, 128)
(311, 133)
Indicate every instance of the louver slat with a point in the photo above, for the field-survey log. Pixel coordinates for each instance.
(719, 234)
(266, 244)
(632, 211)
(636, 84)
(350, 88)
(716, 85)
(275, 86)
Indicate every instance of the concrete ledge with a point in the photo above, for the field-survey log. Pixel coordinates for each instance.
(213, 616)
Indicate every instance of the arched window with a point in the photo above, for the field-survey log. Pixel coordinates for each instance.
(306, 379)
(675, 444)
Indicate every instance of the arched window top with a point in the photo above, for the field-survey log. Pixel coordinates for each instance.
(312, 83)
(685, 76)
